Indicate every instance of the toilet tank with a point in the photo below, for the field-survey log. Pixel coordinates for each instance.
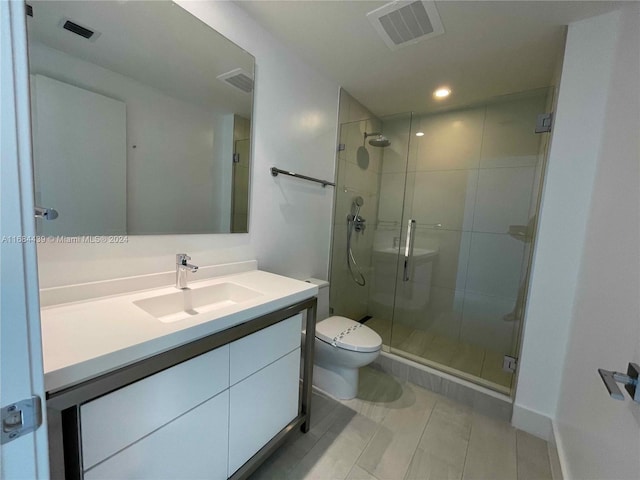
(323, 298)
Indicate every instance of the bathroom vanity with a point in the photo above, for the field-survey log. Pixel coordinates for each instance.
(138, 388)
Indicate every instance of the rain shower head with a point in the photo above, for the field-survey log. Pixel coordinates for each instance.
(379, 140)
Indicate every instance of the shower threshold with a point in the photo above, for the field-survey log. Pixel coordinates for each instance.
(470, 363)
(482, 382)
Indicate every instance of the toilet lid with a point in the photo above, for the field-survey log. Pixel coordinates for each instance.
(344, 333)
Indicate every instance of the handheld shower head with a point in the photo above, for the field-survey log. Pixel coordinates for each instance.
(357, 202)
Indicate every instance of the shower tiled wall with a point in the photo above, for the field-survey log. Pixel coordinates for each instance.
(358, 174)
(476, 173)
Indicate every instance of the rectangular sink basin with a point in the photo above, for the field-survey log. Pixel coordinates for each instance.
(186, 303)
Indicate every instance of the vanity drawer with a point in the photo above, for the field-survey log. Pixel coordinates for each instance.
(193, 446)
(116, 420)
(256, 351)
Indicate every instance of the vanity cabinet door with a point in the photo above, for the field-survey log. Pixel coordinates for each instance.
(255, 351)
(261, 406)
(193, 446)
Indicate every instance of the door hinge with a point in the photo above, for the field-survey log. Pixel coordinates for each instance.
(509, 363)
(21, 418)
(341, 147)
(236, 158)
(544, 122)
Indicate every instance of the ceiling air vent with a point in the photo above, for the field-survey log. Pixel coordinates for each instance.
(79, 29)
(239, 79)
(404, 23)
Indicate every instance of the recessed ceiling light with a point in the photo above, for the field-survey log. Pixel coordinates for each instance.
(420, 134)
(442, 92)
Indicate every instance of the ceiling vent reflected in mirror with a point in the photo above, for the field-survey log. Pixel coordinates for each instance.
(79, 29)
(404, 23)
(239, 79)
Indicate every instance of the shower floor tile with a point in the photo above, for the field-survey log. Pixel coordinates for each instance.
(439, 349)
(469, 359)
(395, 430)
(416, 343)
(383, 327)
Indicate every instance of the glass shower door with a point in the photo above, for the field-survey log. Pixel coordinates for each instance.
(387, 236)
(470, 204)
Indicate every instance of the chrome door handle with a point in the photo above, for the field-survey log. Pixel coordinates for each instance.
(408, 250)
(630, 382)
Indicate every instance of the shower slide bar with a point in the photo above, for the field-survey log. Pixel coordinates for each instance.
(275, 171)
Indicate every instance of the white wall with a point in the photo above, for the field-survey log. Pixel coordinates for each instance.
(584, 287)
(169, 149)
(295, 117)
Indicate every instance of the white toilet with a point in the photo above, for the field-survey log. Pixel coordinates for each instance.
(342, 346)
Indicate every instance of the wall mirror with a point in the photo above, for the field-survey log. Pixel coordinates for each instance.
(141, 118)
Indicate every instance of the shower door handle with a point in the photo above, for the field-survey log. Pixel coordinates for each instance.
(408, 250)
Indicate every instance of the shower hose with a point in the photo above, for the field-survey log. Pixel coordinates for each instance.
(357, 276)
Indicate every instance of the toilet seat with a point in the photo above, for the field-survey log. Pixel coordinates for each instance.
(344, 333)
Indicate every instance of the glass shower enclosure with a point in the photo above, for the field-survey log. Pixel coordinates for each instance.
(433, 228)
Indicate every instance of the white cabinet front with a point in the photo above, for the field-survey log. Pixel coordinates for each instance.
(114, 421)
(193, 446)
(188, 421)
(253, 352)
(261, 406)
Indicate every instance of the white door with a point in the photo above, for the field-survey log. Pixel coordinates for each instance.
(598, 436)
(21, 371)
(80, 152)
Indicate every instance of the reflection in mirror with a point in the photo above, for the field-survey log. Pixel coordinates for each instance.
(141, 118)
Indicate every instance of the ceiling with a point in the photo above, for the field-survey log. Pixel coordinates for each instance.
(488, 48)
(156, 43)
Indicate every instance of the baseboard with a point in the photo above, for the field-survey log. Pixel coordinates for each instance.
(532, 422)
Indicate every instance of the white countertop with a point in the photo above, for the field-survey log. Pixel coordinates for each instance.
(84, 339)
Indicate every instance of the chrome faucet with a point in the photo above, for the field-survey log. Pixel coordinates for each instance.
(182, 267)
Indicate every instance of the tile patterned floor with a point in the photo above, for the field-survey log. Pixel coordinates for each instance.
(396, 431)
(441, 350)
